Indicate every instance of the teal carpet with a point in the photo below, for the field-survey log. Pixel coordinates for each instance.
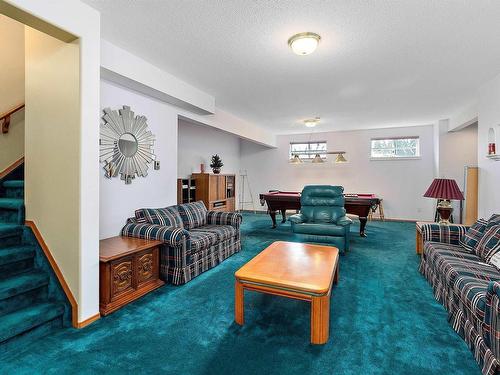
(384, 320)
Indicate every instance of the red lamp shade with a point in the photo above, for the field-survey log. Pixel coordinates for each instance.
(443, 188)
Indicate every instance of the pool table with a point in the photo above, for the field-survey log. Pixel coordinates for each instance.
(355, 204)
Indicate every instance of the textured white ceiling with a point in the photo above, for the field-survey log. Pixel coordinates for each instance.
(380, 63)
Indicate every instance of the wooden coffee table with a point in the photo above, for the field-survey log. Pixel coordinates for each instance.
(294, 270)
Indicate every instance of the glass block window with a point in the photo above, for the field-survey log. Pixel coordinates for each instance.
(307, 150)
(396, 148)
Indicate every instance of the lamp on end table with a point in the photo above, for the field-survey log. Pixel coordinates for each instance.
(445, 190)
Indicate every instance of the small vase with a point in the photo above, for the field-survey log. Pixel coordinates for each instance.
(216, 170)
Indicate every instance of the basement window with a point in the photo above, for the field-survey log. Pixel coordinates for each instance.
(308, 150)
(395, 148)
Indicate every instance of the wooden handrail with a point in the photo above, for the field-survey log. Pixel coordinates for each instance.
(6, 117)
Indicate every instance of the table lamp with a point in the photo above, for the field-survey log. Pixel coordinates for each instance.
(445, 190)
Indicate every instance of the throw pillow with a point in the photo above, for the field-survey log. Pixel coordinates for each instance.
(489, 244)
(168, 216)
(493, 220)
(495, 260)
(473, 235)
(193, 214)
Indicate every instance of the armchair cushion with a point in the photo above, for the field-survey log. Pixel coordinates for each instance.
(297, 218)
(319, 229)
(473, 235)
(168, 216)
(193, 214)
(322, 203)
(344, 220)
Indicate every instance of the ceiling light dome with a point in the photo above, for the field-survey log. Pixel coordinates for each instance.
(311, 122)
(304, 43)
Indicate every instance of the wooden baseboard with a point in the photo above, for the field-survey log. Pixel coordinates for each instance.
(88, 321)
(57, 271)
(11, 167)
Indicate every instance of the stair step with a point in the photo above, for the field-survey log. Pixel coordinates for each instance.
(24, 320)
(10, 230)
(13, 184)
(11, 203)
(15, 254)
(22, 283)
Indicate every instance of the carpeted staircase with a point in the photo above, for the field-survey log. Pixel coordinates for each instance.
(27, 309)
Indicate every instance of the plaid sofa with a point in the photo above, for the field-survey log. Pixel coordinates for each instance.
(468, 287)
(196, 240)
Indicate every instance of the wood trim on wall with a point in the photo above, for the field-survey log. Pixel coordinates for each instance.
(88, 321)
(11, 167)
(74, 305)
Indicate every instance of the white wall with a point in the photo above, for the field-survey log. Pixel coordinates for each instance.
(12, 91)
(158, 189)
(83, 22)
(196, 145)
(400, 183)
(489, 170)
(457, 149)
(52, 147)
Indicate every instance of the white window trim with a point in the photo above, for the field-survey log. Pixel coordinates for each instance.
(395, 158)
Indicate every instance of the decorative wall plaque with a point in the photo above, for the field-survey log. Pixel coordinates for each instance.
(126, 144)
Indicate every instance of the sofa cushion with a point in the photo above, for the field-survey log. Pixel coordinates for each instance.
(201, 240)
(319, 229)
(473, 235)
(168, 216)
(193, 214)
(223, 232)
(451, 261)
(471, 292)
(489, 244)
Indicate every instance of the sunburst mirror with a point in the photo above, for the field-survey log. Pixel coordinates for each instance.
(126, 144)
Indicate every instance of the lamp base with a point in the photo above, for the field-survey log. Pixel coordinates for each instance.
(444, 214)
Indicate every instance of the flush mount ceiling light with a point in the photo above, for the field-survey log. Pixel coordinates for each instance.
(311, 122)
(304, 43)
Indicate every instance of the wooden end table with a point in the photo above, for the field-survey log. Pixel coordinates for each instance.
(419, 243)
(128, 269)
(294, 270)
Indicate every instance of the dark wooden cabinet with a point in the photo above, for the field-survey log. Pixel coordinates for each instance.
(216, 190)
(129, 268)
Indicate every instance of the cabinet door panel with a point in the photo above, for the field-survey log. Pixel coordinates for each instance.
(221, 187)
(212, 188)
(122, 274)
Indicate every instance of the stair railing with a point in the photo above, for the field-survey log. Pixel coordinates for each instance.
(6, 117)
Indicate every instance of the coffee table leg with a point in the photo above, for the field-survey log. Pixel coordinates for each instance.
(336, 276)
(320, 319)
(239, 303)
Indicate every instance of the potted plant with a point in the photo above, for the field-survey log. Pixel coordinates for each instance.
(216, 163)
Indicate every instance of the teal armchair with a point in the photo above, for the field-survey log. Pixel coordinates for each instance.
(322, 216)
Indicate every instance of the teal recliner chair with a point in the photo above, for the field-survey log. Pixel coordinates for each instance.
(322, 216)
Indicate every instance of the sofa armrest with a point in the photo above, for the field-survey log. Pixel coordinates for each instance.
(343, 221)
(491, 329)
(297, 219)
(224, 218)
(443, 233)
(172, 236)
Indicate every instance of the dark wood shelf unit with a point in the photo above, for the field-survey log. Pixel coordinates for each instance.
(186, 190)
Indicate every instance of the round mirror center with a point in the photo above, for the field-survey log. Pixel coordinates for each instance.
(127, 144)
